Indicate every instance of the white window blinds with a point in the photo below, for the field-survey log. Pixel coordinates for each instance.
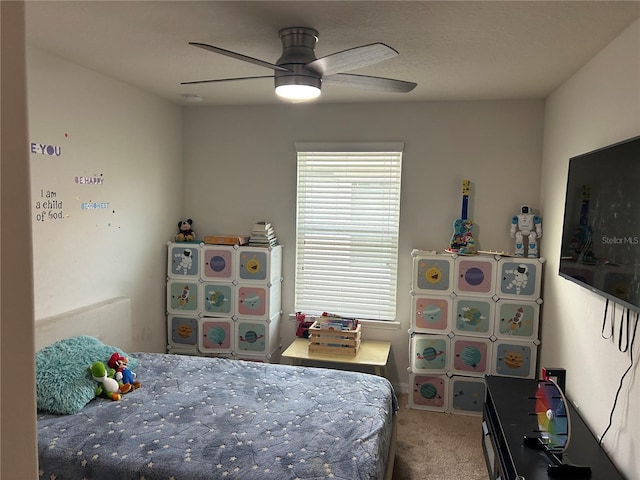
(348, 212)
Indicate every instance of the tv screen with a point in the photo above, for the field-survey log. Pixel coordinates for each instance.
(601, 230)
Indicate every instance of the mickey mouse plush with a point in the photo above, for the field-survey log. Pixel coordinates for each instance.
(185, 233)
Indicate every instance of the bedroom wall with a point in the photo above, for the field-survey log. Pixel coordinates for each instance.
(106, 191)
(598, 106)
(240, 167)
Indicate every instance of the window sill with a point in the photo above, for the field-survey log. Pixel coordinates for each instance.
(370, 324)
(381, 324)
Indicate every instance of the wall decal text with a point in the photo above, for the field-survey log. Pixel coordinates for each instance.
(94, 205)
(48, 207)
(94, 180)
(44, 149)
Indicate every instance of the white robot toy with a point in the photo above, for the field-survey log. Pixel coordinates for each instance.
(526, 224)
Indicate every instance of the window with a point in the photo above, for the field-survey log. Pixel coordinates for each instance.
(348, 212)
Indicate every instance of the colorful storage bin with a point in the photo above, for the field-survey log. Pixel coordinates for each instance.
(466, 395)
(471, 356)
(432, 273)
(218, 299)
(428, 392)
(183, 260)
(515, 359)
(473, 316)
(431, 314)
(255, 337)
(475, 275)
(183, 296)
(519, 278)
(182, 331)
(216, 335)
(517, 319)
(258, 301)
(429, 353)
(259, 264)
(218, 263)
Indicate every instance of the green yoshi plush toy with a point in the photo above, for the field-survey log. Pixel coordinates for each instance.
(108, 386)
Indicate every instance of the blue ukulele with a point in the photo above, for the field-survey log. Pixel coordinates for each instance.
(462, 241)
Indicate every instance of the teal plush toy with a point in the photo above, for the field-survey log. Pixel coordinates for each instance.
(108, 387)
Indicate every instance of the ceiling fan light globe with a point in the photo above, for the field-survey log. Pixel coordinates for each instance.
(298, 92)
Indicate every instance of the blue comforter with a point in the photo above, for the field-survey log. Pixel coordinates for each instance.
(211, 418)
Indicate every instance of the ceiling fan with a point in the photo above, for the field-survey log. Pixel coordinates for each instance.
(299, 75)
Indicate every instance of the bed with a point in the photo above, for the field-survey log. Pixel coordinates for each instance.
(209, 418)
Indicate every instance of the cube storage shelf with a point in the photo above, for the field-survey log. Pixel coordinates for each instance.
(224, 300)
(471, 316)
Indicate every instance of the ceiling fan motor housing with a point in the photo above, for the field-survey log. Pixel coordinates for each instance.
(298, 49)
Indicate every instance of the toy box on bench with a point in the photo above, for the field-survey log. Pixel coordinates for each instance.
(326, 339)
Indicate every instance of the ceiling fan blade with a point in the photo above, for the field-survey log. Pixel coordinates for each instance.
(224, 80)
(239, 56)
(351, 59)
(372, 83)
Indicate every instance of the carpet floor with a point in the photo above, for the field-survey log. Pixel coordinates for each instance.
(438, 446)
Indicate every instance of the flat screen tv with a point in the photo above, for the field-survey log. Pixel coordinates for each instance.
(601, 230)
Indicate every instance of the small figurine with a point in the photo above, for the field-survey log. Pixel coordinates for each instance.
(123, 374)
(526, 224)
(107, 385)
(185, 232)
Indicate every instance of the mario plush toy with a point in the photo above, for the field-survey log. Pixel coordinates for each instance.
(124, 374)
(185, 233)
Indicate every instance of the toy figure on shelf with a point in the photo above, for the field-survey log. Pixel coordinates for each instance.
(526, 224)
(185, 232)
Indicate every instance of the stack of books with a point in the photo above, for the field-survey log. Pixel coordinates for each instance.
(332, 321)
(263, 235)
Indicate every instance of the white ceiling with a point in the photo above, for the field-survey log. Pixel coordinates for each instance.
(454, 50)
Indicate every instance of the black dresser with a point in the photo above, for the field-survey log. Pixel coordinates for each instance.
(509, 417)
